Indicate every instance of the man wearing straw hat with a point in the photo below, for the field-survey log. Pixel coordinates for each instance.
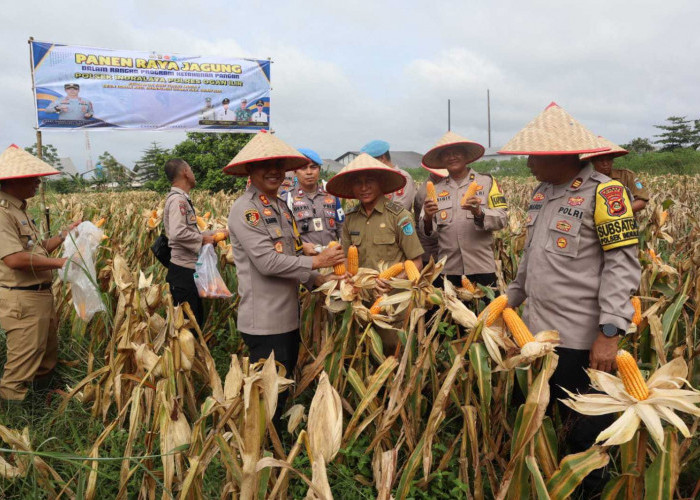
(267, 249)
(27, 314)
(405, 195)
(579, 266)
(603, 163)
(464, 228)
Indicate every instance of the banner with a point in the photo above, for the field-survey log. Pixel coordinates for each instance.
(83, 87)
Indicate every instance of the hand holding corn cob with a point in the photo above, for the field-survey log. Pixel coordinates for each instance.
(470, 201)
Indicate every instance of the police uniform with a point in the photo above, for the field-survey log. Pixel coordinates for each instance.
(407, 194)
(185, 242)
(430, 245)
(27, 314)
(630, 180)
(465, 241)
(317, 215)
(386, 234)
(73, 109)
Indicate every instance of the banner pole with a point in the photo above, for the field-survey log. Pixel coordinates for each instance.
(39, 148)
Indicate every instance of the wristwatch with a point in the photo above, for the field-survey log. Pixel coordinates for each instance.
(610, 330)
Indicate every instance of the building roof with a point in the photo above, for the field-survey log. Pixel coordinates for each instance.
(331, 165)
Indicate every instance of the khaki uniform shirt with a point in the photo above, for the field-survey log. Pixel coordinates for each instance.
(180, 222)
(265, 246)
(467, 245)
(315, 215)
(387, 234)
(630, 180)
(406, 194)
(430, 244)
(18, 233)
(579, 266)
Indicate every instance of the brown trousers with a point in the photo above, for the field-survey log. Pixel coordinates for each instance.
(31, 327)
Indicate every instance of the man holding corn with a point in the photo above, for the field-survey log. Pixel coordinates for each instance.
(467, 208)
(27, 313)
(579, 266)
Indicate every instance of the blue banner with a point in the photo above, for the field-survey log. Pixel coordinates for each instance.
(82, 87)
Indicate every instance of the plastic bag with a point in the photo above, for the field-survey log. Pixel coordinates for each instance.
(80, 247)
(209, 282)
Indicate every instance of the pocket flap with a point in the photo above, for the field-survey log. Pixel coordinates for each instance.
(384, 239)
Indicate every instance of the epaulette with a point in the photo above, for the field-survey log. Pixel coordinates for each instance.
(352, 209)
(393, 207)
(597, 176)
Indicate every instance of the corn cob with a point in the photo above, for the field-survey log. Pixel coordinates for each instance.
(637, 304)
(219, 236)
(663, 217)
(391, 272)
(154, 213)
(631, 376)
(101, 222)
(494, 310)
(468, 285)
(520, 331)
(430, 193)
(207, 215)
(338, 269)
(353, 260)
(201, 223)
(412, 271)
(471, 191)
(376, 307)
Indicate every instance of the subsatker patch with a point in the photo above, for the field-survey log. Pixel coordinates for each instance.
(613, 218)
(496, 198)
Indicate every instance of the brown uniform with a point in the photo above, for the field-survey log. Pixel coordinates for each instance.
(27, 316)
(180, 222)
(630, 180)
(266, 245)
(406, 194)
(430, 244)
(316, 215)
(580, 264)
(388, 234)
(467, 245)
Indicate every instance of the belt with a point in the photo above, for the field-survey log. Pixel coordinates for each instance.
(31, 288)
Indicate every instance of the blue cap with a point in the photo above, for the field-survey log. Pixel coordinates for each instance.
(375, 148)
(312, 155)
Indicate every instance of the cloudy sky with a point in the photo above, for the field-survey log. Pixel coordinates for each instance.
(348, 72)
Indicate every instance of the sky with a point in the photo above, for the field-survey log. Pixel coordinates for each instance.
(345, 73)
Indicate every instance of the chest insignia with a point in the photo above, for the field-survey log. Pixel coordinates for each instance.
(562, 225)
(267, 212)
(575, 201)
(264, 200)
(562, 242)
(538, 197)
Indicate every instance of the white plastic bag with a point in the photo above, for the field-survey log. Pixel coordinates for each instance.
(209, 282)
(80, 247)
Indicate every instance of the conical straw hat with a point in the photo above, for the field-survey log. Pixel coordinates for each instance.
(431, 159)
(390, 179)
(16, 163)
(265, 146)
(553, 132)
(614, 151)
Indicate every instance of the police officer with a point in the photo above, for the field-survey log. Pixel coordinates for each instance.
(268, 256)
(405, 195)
(243, 113)
(184, 237)
(208, 113)
(318, 214)
(27, 306)
(579, 266)
(603, 163)
(225, 114)
(464, 231)
(72, 107)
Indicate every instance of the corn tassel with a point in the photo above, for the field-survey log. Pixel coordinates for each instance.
(430, 192)
(468, 285)
(391, 272)
(637, 304)
(338, 269)
(521, 333)
(631, 376)
(376, 307)
(353, 260)
(471, 191)
(494, 310)
(412, 271)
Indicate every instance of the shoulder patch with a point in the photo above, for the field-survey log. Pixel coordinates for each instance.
(393, 207)
(614, 221)
(496, 198)
(252, 217)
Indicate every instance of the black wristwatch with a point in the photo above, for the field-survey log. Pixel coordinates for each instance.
(610, 330)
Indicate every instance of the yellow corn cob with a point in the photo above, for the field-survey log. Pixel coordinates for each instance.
(376, 307)
(219, 236)
(391, 272)
(468, 285)
(207, 215)
(412, 271)
(663, 217)
(338, 269)
(494, 310)
(471, 191)
(430, 193)
(353, 260)
(101, 222)
(637, 304)
(520, 331)
(631, 376)
(201, 223)
(154, 213)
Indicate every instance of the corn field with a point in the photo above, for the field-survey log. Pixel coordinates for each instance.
(156, 407)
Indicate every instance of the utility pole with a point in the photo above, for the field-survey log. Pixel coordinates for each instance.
(488, 112)
(449, 117)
